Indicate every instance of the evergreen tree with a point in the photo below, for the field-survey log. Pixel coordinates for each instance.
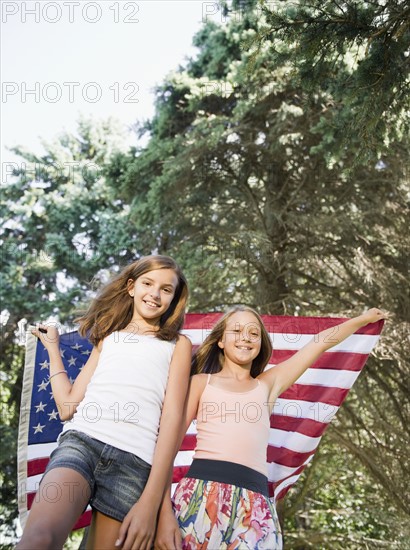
(356, 50)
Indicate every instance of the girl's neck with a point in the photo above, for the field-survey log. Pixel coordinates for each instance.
(138, 325)
(235, 372)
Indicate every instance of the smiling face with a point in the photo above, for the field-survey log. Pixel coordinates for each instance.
(153, 293)
(241, 341)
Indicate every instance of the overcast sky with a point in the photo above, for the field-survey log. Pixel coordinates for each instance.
(60, 59)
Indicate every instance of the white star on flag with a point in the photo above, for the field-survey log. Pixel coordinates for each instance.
(71, 361)
(40, 407)
(43, 385)
(45, 365)
(53, 415)
(38, 428)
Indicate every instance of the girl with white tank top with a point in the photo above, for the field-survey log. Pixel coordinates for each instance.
(123, 412)
(223, 501)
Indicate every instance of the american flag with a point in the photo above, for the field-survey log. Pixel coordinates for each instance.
(300, 415)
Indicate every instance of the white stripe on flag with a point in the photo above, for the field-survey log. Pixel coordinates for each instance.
(328, 377)
(33, 482)
(41, 450)
(321, 412)
(357, 343)
(192, 428)
(184, 458)
(293, 440)
(284, 484)
(277, 472)
(195, 335)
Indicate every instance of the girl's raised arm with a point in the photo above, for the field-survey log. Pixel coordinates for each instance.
(66, 395)
(283, 375)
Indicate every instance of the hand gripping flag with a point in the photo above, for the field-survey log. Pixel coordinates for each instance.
(300, 415)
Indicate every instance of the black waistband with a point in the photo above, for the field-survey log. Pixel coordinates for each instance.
(229, 472)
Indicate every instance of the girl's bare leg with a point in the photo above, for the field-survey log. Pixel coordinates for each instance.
(62, 497)
(103, 532)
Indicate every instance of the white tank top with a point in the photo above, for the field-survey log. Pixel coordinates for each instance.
(123, 400)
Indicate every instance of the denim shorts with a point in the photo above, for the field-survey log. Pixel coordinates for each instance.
(116, 478)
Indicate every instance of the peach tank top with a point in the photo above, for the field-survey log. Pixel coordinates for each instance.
(234, 426)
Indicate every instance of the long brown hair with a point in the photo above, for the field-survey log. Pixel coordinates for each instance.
(209, 357)
(112, 308)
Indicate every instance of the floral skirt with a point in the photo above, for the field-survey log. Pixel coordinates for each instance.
(219, 516)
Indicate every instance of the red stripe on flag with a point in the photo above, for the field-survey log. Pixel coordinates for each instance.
(315, 394)
(37, 466)
(340, 360)
(287, 324)
(336, 360)
(287, 457)
(188, 443)
(179, 473)
(305, 426)
(84, 520)
(30, 498)
(202, 321)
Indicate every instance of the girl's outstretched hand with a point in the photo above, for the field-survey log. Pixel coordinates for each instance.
(372, 315)
(48, 335)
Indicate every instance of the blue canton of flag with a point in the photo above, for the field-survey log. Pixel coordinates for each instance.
(45, 423)
(40, 423)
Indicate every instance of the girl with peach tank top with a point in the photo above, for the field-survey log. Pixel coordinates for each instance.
(226, 417)
(223, 501)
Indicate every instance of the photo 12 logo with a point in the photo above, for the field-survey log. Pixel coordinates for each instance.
(221, 12)
(53, 92)
(55, 12)
(37, 172)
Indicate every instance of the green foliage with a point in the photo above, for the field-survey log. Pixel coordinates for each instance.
(341, 507)
(356, 50)
(216, 50)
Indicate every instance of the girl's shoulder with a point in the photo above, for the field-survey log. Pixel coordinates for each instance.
(183, 345)
(198, 382)
(200, 376)
(183, 340)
